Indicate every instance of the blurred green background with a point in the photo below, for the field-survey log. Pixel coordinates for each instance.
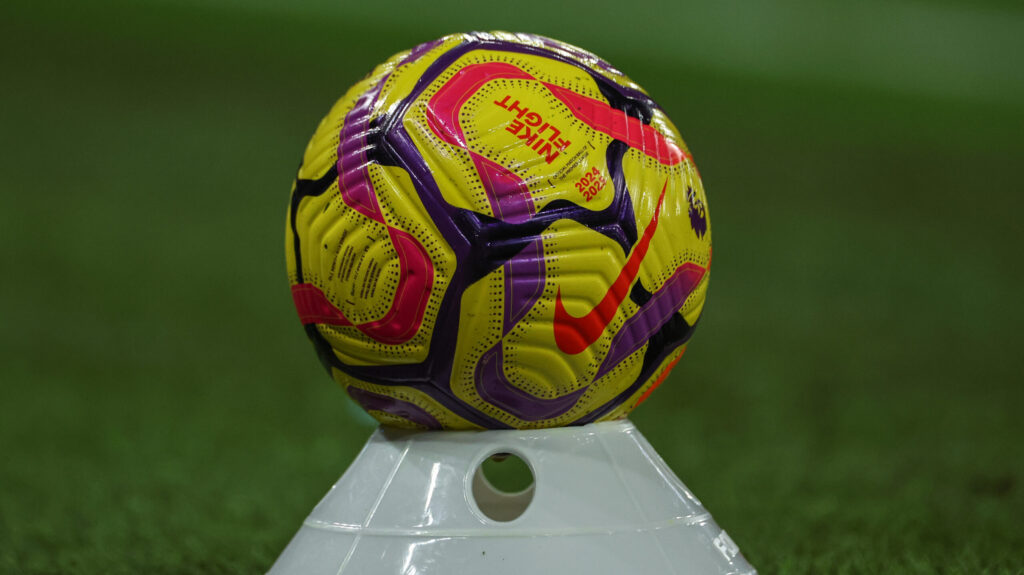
(851, 403)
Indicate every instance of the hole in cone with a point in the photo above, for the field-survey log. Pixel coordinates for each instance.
(503, 486)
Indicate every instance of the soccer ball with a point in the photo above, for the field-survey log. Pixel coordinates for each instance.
(497, 230)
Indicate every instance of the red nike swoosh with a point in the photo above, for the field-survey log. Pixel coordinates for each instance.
(575, 334)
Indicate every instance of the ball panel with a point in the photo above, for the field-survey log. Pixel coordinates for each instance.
(643, 392)
(401, 406)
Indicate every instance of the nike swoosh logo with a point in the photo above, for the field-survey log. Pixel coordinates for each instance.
(575, 334)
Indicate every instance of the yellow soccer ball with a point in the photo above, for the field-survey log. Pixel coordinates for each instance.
(497, 230)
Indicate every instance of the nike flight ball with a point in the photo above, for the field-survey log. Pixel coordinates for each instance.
(497, 230)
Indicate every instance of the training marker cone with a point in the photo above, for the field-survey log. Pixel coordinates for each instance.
(603, 502)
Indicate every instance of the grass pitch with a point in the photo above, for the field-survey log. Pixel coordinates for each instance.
(850, 403)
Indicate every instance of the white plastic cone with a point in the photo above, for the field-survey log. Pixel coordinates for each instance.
(603, 502)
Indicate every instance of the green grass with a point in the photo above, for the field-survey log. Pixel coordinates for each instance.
(850, 403)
